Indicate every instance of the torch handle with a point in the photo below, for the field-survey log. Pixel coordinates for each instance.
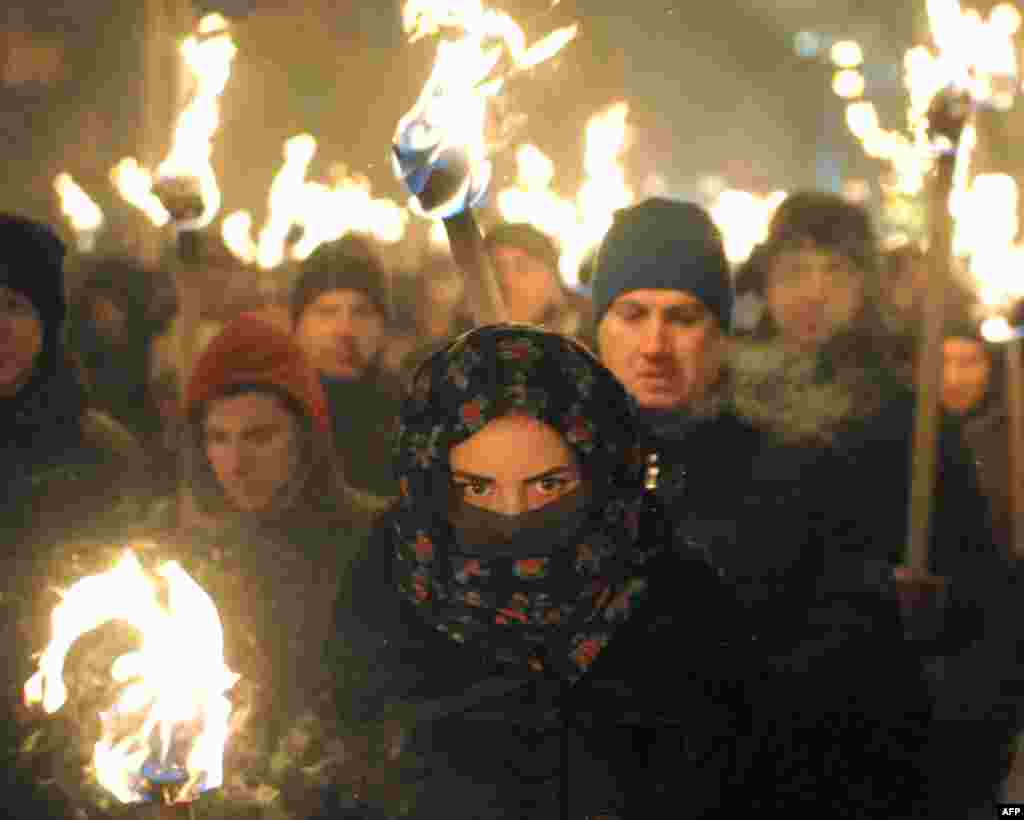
(482, 292)
(1015, 410)
(924, 452)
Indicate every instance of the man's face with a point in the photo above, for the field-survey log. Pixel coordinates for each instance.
(529, 286)
(812, 295)
(21, 340)
(109, 320)
(342, 332)
(253, 445)
(663, 345)
(965, 374)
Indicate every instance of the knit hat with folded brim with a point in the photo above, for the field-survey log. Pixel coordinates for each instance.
(32, 263)
(663, 244)
(346, 264)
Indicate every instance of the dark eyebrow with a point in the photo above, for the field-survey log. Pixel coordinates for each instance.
(483, 479)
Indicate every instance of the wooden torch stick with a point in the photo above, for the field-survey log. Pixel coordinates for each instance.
(948, 122)
(465, 240)
(1015, 409)
(482, 292)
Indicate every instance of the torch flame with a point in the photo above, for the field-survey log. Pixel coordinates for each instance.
(971, 55)
(577, 225)
(451, 112)
(236, 231)
(324, 213)
(986, 231)
(743, 218)
(84, 215)
(135, 184)
(286, 193)
(208, 58)
(162, 694)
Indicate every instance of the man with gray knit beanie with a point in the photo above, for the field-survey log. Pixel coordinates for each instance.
(663, 301)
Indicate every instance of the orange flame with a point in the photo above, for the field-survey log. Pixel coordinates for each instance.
(743, 219)
(135, 184)
(208, 58)
(323, 212)
(972, 54)
(84, 215)
(581, 224)
(451, 111)
(236, 231)
(161, 693)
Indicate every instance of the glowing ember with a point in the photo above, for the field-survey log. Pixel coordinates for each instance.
(450, 115)
(135, 184)
(208, 57)
(171, 715)
(743, 219)
(84, 215)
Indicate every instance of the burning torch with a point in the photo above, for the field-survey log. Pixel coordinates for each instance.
(439, 148)
(162, 741)
(974, 67)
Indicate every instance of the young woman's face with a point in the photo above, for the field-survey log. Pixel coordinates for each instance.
(21, 340)
(813, 294)
(514, 464)
(253, 443)
(966, 373)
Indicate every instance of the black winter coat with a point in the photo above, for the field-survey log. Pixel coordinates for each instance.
(651, 731)
(840, 708)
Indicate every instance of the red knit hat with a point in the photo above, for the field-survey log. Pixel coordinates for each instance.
(251, 351)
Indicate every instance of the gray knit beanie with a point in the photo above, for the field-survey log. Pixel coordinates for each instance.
(663, 244)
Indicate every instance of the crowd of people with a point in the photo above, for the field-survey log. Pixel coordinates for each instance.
(623, 556)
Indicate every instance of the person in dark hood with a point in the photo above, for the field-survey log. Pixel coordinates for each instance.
(506, 651)
(821, 354)
(57, 455)
(67, 471)
(755, 502)
(526, 262)
(113, 321)
(339, 309)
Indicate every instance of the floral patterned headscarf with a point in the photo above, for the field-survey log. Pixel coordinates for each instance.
(552, 612)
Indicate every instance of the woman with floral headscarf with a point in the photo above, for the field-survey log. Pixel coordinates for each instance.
(508, 655)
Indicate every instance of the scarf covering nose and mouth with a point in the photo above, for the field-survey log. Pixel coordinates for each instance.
(543, 591)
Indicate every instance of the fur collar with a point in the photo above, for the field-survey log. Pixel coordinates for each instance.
(803, 398)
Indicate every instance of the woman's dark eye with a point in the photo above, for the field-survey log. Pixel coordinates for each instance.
(472, 489)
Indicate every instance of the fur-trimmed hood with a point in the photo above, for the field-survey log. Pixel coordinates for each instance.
(805, 398)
